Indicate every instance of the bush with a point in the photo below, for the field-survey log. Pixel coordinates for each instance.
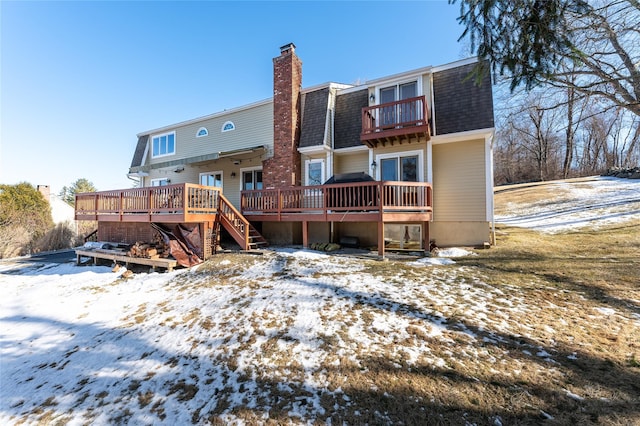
(61, 236)
(25, 217)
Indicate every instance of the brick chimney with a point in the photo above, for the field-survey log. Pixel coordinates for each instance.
(45, 191)
(284, 168)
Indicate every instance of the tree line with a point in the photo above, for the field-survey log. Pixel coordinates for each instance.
(568, 99)
(26, 223)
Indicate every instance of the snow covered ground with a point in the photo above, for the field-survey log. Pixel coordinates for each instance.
(231, 340)
(577, 204)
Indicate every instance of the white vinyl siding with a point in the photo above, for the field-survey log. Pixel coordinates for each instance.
(459, 181)
(253, 127)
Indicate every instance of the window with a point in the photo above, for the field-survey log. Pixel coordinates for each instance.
(163, 145)
(252, 179)
(160, 182)
(315, 172)
(202, 131)
(228, 126)
(405, 167)
(211, 179)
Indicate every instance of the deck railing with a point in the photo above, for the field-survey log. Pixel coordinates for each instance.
(407, 113)
(376, 196)
(173, 202)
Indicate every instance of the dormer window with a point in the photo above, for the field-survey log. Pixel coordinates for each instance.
(162, 145)
(202, 131)
(228, 126)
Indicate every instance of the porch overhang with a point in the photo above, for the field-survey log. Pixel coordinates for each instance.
(195, 160)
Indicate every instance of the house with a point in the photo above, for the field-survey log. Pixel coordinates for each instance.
(61, 212)
(261, 170)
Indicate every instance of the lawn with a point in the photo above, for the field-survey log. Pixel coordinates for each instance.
(542, 328)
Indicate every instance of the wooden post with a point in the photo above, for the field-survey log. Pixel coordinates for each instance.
(305, 234)
(381, 238)
(427, 239)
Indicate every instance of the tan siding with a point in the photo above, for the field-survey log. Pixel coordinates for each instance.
(254, 126)
(459, 183)
(399, 149)
(351, 163)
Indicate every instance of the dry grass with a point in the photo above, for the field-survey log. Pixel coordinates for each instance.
(557, 284)
(541, 329)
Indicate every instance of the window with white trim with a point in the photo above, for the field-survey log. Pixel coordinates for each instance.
(211, 179)
(404, 166)
(251, 179)
(163, 145)
(228, 126)
(202, 131)
(314, 172)
(160, 182)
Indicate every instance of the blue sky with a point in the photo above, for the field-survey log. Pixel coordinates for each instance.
(79, 79)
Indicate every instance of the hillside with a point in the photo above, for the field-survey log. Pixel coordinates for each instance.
(542, 328)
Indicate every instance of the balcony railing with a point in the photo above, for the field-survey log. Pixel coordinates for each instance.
(361, 201)
(400, 120)
(172, 203)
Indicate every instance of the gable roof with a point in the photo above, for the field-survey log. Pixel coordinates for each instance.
(314, 118)
(348, 118)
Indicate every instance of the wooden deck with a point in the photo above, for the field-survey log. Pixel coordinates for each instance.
(381, 202)
(375, 201)
(181, 203)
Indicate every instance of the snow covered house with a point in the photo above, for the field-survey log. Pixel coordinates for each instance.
(391, 163)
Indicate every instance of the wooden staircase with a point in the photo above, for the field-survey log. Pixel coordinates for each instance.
(238, 226)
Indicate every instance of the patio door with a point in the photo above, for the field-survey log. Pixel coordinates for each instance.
(394, 114)
(211, 179)
(404, 169)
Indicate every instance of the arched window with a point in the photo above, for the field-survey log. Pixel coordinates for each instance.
(228, 126)
(202, 131)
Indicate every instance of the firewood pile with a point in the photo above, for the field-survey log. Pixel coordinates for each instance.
(154, 250)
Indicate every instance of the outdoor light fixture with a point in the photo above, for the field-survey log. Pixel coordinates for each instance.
(374, 164)
(372, 98)
(233, 175)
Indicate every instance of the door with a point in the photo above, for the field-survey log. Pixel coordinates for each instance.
(388, 119)
(399, 113)
(404, 169)
(407, 111)
(211, 179)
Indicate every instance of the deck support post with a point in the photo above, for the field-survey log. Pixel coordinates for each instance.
(381, 239)
(426, 244)
(305, 234)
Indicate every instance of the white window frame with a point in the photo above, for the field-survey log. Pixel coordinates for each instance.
(159, 135)
(397, 84)
(212, 173)
(206, 132)
(226, 123)
(249, 169)
(398, 155)
(158, 181)
(322, 170)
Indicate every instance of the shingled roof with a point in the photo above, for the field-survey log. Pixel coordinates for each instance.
(314, 118)
(461, 104)
(348, 118)
(139, 152)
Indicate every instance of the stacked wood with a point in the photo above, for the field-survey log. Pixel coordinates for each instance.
(153, 250)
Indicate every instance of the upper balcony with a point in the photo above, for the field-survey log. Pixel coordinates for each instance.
(395, 122)
(181, 203)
